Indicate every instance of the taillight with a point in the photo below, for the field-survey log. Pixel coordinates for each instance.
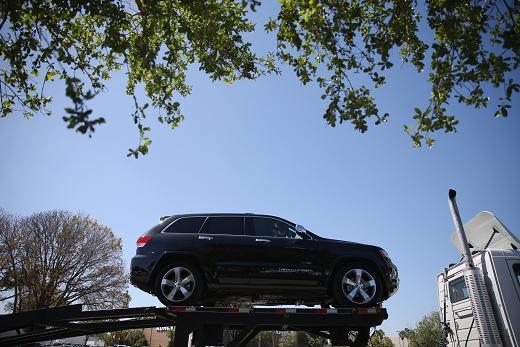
(143, 240)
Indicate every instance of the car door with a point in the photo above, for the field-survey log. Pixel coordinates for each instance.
(279, 256)
(225, 256)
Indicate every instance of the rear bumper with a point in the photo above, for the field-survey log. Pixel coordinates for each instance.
(141, 272)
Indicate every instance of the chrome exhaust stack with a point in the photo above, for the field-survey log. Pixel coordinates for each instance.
(468, 259)
(475, 283)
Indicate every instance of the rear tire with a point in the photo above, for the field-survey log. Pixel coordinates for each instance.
(357, 285)
(179, 284)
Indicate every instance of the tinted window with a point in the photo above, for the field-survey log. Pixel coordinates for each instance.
(186, 225)
(224, 225)
(458, 290)
(516, 269)
(272, 228)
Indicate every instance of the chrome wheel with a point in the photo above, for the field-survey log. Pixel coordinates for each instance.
(178, 284)
(358, 286)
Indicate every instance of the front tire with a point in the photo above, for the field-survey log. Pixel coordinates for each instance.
(179, 284)
(357, 285)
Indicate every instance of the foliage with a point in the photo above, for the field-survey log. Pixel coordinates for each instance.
(427, 333)
(83, 42)
(288, 339)
(378, 339)
(132, 337)
(171, 336)
(269, 338)
(57, 258)
(315, 341)
(405, 333)
(467, 48)
(358, 37)
(264, 339)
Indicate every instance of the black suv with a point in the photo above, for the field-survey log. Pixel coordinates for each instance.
(202, 259)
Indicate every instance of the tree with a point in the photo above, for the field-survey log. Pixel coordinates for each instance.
(467, 48)
(263, 339)
(288, 339)
(57, 258)
(406, 333)
(427, 333)
(379, 339)
(316, 341)
(171, 336)
(132, 337)
(9, 258)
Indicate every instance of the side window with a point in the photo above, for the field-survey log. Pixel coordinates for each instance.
(224, 225)
(186, 225)
(272, 228)
(516, 269)
(458, 290)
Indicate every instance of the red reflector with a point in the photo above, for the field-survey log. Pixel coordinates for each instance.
(279, 310)
(234, 309)
(143, 240)
(321, 311)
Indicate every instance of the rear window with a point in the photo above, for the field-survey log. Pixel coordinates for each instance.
(186, 225)
(224, 226)
(159, 227)
(458, 290)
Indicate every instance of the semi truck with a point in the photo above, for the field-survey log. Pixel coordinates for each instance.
(479, 297)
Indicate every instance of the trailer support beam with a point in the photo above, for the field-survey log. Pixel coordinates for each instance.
(206, 323)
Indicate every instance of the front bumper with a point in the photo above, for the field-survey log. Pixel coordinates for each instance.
(393, 280)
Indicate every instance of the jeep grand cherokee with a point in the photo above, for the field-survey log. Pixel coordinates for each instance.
(202, 259)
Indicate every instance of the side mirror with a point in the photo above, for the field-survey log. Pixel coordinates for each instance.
(300, 230)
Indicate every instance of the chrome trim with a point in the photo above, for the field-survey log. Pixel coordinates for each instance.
(243, 216)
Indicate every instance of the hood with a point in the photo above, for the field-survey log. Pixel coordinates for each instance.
(485, 231)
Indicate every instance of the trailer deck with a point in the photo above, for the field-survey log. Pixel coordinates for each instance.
(206, 323)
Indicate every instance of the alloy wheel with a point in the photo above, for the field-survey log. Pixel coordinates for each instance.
(359, 286)
(178, 284)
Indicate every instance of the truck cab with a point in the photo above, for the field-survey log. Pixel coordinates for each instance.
(495, 251)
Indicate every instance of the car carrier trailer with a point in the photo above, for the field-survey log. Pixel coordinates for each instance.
(343, 326)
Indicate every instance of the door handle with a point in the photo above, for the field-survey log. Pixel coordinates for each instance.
(205, 237)
(262, 240)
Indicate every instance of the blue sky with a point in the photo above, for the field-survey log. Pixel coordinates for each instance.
(263, 147)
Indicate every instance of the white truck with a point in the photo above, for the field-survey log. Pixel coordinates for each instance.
(479, 297)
